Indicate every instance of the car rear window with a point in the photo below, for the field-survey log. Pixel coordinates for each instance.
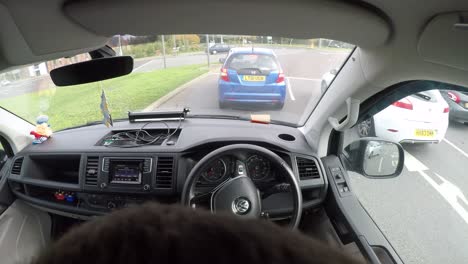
(252, 61)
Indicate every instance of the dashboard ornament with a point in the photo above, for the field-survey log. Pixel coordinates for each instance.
(107, 120)
(42, 131)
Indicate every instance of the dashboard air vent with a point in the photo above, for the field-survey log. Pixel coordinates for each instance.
(307, 169)
(164, 172)
(92, 169)
(16, 169)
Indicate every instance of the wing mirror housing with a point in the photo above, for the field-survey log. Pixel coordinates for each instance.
(374, 158)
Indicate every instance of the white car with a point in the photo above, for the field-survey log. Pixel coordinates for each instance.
(5, 82)
(419, 118)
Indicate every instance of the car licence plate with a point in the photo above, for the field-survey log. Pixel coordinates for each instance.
(254, 78)
(424, 133)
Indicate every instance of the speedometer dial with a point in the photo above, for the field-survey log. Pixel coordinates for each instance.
(215, 172)
(258, 167)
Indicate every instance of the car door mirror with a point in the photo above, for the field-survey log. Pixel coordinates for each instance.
(222, 60)
(374, 158)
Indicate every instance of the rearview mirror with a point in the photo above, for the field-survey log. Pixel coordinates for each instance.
(222, 60)
(374, 158)
(92, 71)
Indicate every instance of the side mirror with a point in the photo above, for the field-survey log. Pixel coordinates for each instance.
(222, 60)
(374, 158)
(334, 71)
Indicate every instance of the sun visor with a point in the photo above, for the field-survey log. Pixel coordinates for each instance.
(33, 31)
(445, 40)
(296, 18)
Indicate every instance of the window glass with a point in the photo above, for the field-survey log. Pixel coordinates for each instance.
(424, 211)
(252, 61)
(166, 62)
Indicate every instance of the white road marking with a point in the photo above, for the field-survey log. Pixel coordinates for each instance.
(305, 79)
(290, 92)
(449, 191)
(144, 64)
(455, 147)
(413, 164)
(380, 164)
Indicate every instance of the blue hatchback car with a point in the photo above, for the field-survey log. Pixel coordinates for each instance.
(252, 76)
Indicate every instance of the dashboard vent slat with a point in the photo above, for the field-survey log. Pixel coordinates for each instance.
(92, 169)
(307, 169)
(16, 169)
(164, 172)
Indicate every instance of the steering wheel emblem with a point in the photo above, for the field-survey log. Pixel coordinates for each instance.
(240, 206)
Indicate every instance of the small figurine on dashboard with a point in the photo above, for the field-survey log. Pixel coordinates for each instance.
(42, 131)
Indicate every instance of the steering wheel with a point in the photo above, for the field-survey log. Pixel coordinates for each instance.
(238, 194)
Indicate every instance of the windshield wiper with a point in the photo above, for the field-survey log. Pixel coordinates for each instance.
(232, 117)
(218, 117)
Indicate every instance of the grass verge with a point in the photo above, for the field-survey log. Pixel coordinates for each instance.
(76, 105)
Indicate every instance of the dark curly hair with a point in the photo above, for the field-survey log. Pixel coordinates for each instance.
(155, 233)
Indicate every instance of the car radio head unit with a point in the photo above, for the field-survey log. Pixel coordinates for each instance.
(126, 170)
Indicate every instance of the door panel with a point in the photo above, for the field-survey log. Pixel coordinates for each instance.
(350, 219)
(24, 231)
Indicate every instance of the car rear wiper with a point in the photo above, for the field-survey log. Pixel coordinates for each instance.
(251, 69)
(423, 96)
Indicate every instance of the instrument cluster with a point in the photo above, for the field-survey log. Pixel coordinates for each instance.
(259, 169)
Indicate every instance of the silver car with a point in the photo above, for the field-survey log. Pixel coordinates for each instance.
(458, 104)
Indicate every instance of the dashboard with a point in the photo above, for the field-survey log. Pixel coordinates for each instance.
(79, 173)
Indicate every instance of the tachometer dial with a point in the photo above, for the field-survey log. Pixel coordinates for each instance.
(215, 172)
(258, 167)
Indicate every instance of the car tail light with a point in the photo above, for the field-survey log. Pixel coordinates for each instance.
(280, 77)
(224, 75)
(446, 110)
(454, 97)
(404, 103)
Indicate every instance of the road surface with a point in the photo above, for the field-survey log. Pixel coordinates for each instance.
(303, 69)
